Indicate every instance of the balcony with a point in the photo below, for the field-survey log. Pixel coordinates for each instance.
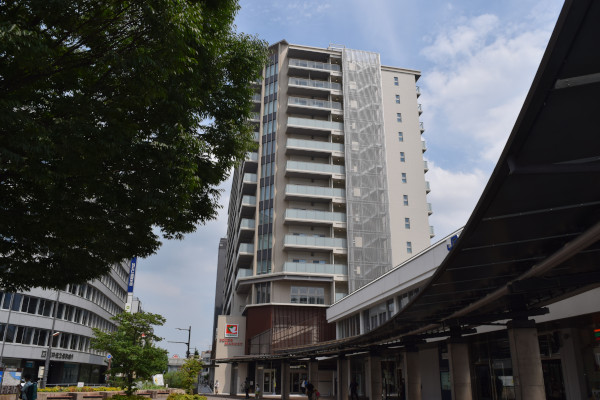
(314, 217)
(250, 162)
(256, 136)
(313, 242)
(309, 126)
(427, 187)
(256, 98)
(429, 209)
(255, 117)
(244, 273)
(303, 105)
(420, 108)
(312, 170)
(314, 193)
(248, 206)
(418, 91)
(312, 147)
(423, 146)
(245, 254)
(311, 87)
(421, 127)
(425, 166)
(249, 183)
(246, 232)
(431, 232)
(314, 69)
(311, 268)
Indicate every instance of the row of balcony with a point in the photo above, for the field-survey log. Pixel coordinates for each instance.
(302, 168)
(314, 146)
(311, 83)
(315, 123)
(305, 268)
(316, 103)
(294, 62)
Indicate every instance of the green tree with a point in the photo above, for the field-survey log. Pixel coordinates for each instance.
(118, 119)
(132, 346)
(190, 370)
(174, 379)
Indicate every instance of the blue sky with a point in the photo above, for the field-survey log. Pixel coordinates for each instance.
(477, 59)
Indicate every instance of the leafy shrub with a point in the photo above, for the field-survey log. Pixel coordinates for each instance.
(56, 389)
(179, 396)
(130, 397)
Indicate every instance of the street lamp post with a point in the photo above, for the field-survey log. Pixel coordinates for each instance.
(187, 353)
(50, 340)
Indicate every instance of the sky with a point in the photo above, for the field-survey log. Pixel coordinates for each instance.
(477, 60)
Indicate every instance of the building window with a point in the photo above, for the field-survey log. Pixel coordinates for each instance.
(405, 199)
(400, 137)
(403, 177)
(307, 295)
(263, 292)
(399, 117)
(395, 81)
(397, 99)
(402, 157)
(407, 223)
(409, 247)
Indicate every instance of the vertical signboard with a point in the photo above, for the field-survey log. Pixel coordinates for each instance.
(130, 283)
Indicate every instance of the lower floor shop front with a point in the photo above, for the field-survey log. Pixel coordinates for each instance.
(60, 373)
(561, 361)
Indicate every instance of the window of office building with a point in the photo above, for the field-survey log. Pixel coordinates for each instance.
(263, 292)
(307, 295)
(403, 175)
(399, 117)
(263, 267)
(409, 247)
(400, 137)
(402, 157)
(395, 81)
(407, 223)
(397, 99)
(405, 199)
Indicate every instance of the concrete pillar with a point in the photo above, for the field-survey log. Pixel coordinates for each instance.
(343, 371)
(572, 364)
(285, 380)
(526, 361)
(313, 372)
(413, 375)
(375, 385)
(260, 378)
(460, 369)
(232, 380)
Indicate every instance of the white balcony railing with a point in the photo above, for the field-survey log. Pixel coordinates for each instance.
(313, 145)
(315, 215)
(314, 241)
(314, 268)
(318, 191)
(314, 83)
(317, 103)
(314, 65)
(315, 123)
(314, 167)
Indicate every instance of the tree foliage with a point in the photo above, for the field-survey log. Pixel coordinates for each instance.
(190, 370)
(132, 347)
(116, 117)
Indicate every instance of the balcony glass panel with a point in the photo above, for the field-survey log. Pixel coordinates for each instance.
(254, 116)
(314, 64)
(249, 200)
(315, 84)
(256, 97)
(246, 248)
(315, 191)
(315, 123)
(313, 145)
(256, 136)
(250, 178)
(316, 215)
(252, 156)
(315, 167)
(314, 241)
(244, 273)
(302, 101)
(312, 268)
(247, 223)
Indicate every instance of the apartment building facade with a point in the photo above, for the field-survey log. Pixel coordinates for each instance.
(333, 198)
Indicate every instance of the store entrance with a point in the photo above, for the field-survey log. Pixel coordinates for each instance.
(269, 381)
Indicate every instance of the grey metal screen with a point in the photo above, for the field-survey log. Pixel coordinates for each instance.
(369, 252)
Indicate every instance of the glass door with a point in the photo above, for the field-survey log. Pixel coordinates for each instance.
(268, 380)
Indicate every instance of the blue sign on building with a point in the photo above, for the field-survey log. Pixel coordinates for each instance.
(131, 275)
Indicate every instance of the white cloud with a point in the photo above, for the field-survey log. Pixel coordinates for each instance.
(453, 196)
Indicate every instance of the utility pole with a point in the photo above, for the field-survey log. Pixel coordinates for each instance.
(50, 339)
(187, 353)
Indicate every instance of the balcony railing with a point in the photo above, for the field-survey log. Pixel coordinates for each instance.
(314, 65)
(315, 84)
(429, 209)
(255, 117)
(303, 101)
(315, 123)
(315, 191)
(249, 200)
(256, 98)
(425, 166)
(314, 145)
(421, 127)
(431, 232)
(423, 146)
(418, 91)
(246, 248)
(420, 108)
(244, 273)
(315, 215)
(253, 156)
(247, 223)
(427, 187)
(256, 136)
(314, 241)
(313, 268)
(315, 167)
(250, 178)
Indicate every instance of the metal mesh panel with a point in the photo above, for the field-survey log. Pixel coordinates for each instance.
(369, 252)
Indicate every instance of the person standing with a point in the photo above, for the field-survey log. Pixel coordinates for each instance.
(217, 386)
(310, 388)
(27, 389)
(353, 390)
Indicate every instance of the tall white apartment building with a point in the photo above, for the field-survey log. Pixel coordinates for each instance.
(334, 197)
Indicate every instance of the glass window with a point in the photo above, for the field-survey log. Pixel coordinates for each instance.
(402, 157)
(399, 117)
(397, 99)
(403, 177)
(32, 307)
(409, 247)
(400, 137)
(405, 199)
(407, 223)
(395, 81)
(17, 301)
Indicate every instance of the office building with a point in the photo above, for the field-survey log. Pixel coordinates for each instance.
(333, 198)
